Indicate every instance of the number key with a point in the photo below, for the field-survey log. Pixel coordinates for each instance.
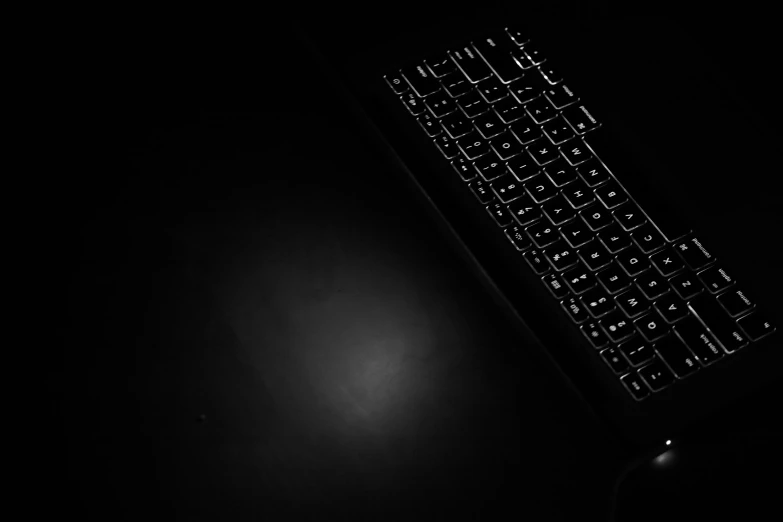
(473, 146)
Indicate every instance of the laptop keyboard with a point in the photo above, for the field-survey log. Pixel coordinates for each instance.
(650, 298)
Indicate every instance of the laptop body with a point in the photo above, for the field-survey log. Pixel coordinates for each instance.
(671, 130)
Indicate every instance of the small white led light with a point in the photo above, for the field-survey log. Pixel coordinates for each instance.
(668, 443)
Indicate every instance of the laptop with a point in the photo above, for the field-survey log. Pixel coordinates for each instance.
(609, 185)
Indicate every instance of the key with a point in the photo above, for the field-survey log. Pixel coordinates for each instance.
(716, 279)
(614, 238)
(497, 53)
(522, 59)
(509, 110)
(525, 130)
(555, 285)
(613, 278)
(579, 279)
(652, 327)
(551, 75)
(718, 321)
(633, 261)
(656, 375)
(671, 307)
(636, 386)
(694, 253)
(447, 146)
(756, 326)
(500, 214)
(596, 217)
(525, 210)
(652, 284)
(492, 89)
(667, 262)
(575, 152)
(615, 361)
(610, 194)
(490, 168)
(440, 66)
(633, 302)
(560, 172)
(578, 194)
(617, 326)
(595, 255)
(597, 302)
(560, 95)
(540, 188)
(470, 63)
(576, 233)
(637, 351)
(518, 37)
(506, 145)
(525, 89)
(523, 166)
(472, 104)
(536, 261)
(647, 238)
(593, 172)
(473, 145)
(558, 210)
(699, 340)
(430, 125)
(422, 80)
(456, 84)
(686, 285)
(482, 191)
(413, 103)
(580, 119)
(557, 130)
(560, 255)
(507, 188)
(629, 216)
(595, 334)
(464, 168)
(736, 302)
(456, 124)
(396, 82)
(440, 104)
(575, 310)
(533, 54)
(543, 234)
(518, 238)
(542, 152)
(540, 110)
(677, 356)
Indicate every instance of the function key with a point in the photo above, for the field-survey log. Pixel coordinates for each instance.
(593, 172)
(560, 95)
(470, 63)
(633, 261)
(610, 194)
(637, 351)
(440, 66)
(518, 237)
(595, 334)
(596, 217)
(756, 326)
(615, 360)
(440, 104)
(551, 75)
(536, 261)
(576, 152)
(541, 110)
(533, 54)
(579, 279)
(518, 37)
(489, 124)
(716, 279)
(525, 89)
(490, 167)
(396, 82)
(671, 307)
(667, 262)
(555, 285)
(540, 188)
(560, 172)
(525, 210)
(506, 145)
(736, 302)
(482, 191)
(422, 80)
(677, 356)
(613, 278)
(575, 310)
(523, 166)
(652, 327)
(509, 110)
(522, 59)
(525, 130)
(614, 238)
(414, 104)
(636, 386)
(464, 168)
(557, 130)
(472, 104)
(694, 253)
(699, 340)
(656, 375)
(507, 188)
(576, 233)
(500, 214)
(686, 285)
(633, 302)
(430, 125)
(629, 216)
(648, 238)
(560, 255)
(447, 146)
(456, 84)
(597, 302)
(456, 124)
(580, 119)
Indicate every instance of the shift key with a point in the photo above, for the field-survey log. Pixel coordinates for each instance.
(718, 321)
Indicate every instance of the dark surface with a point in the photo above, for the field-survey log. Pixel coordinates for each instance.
(263, 326)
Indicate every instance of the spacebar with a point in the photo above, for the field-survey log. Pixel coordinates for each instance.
(649, 197)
